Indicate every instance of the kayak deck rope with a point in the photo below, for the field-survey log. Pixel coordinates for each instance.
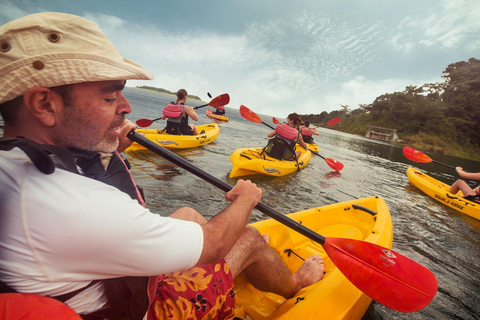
(290, 251)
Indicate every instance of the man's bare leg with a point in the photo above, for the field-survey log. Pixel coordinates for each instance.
(264, 268)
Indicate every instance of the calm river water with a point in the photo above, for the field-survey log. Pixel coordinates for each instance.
(443, 240)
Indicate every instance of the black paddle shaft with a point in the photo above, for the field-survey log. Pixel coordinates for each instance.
(179, 161)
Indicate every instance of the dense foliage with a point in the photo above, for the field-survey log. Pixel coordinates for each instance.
(161, 90)
(449, 111)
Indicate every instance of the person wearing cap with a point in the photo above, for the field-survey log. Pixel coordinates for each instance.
(75, 231)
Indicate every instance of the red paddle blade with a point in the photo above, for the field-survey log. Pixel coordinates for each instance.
(334, 121)
(416, 155)
(334, 164)
(28, 306)
(384, 275)
(144, 122)
(275, 121)
(219, 101)
(249, 114)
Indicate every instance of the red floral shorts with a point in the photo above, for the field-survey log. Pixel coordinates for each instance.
(202, 292)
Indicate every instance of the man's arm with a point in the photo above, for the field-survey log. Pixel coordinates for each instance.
(223, 230)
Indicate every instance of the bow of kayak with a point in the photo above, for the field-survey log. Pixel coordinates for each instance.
(212, 115)
(334, 297)
(249, 161)
(439, 191)
(174, 142)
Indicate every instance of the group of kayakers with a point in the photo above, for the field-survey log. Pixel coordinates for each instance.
(283, 139)
(74, 224)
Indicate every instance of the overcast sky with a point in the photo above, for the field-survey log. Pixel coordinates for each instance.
(282, 56)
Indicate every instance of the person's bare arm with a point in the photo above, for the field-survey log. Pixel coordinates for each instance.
(271, 134)
(467, 175)
(222, 231)
(301, 142)
(191, 112)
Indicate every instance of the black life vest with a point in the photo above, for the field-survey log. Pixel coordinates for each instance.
(177, 122)
(307, 135)
(282, 145)
(127, 296)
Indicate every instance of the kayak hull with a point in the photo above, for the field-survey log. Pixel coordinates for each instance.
(439, 191)
(174, 142)
(249, 161)
(334, 297)
(220, 117)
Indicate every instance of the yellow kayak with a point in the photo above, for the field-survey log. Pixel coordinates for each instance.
(174, 142)
(439, 191)
(212, 115)
(312, 146)
(334, 297)
(248, 161)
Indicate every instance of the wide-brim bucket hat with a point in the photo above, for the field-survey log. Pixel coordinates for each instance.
(50, 49)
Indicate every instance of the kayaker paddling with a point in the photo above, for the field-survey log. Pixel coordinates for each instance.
(468, 192)
(177, 116)
(307, 132)
(284, 139)
(72, 236)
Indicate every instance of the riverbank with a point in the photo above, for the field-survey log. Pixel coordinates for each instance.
(429, 143)
(425, 143)
(166, 92)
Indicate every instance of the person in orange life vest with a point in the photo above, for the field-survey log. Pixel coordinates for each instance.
(219, 110)
(67, 235)
(177, 115)
(285, 137)
(467, 191)
(308, 132)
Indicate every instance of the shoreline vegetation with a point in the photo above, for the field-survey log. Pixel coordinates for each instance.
(435, 117)
(165, 91)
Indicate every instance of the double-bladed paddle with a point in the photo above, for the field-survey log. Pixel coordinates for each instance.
(418, 156)
(381, 273)
(253, 117)
(219, 101)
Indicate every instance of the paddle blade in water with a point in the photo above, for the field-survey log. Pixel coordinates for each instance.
(384, 275)
(416, 155)
(333, 121)
(334, 164)
(219, 101)
(275, 121)
(144, 122)
(249, 114)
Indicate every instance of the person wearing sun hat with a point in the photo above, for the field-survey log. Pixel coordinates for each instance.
(76, 230)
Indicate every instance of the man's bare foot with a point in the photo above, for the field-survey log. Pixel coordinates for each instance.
(266, 237)
(310, 272)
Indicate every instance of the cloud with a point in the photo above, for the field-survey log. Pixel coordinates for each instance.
(453, 24)
(304, 60)
(8, 11)
(363, 91)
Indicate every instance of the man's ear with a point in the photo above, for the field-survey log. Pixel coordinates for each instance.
(43, 104)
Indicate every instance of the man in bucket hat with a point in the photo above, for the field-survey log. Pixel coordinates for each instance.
(72, 232)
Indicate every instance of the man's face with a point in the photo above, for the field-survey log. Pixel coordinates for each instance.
(92, 120)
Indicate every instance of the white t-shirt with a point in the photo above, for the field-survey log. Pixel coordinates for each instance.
(60, 231)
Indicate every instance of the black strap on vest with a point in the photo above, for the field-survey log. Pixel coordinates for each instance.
(48, 157)
(280, 143)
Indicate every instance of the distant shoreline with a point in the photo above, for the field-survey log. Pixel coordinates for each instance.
(166, 92)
